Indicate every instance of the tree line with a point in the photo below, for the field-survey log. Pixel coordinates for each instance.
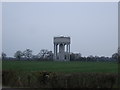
(46, 55)
(28, 55)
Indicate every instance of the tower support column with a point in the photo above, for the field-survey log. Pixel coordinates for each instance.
(69, 52)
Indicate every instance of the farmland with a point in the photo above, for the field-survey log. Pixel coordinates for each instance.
(60, 66)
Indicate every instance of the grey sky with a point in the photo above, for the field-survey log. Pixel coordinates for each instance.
(0, 27)
(93, 27)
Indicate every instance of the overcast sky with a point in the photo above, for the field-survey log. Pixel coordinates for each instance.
(0, 27)
(93, 27)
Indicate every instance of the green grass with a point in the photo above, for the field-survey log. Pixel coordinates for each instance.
(60, 66)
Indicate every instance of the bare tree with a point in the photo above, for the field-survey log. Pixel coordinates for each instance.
(18, 54)
(115, 56)
(43, 53)
(3, 55)
(50, 55)
(27, 53)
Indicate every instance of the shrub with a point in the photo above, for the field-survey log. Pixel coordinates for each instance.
(59, 80)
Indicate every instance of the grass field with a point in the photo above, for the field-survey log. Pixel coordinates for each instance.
(60, 66)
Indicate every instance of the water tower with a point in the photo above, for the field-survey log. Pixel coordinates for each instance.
(61, 48)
